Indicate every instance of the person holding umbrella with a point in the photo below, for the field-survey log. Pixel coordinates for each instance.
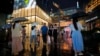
(16, 38)
(77, 38)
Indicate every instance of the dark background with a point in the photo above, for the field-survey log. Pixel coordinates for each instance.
(48, 4)
(6, 6)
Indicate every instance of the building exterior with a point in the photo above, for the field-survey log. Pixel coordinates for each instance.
(91, 5)
(36, 16)
(93, 8)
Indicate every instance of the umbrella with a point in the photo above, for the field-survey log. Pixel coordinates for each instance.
(6, 26)
(79, 14)
(20, 19)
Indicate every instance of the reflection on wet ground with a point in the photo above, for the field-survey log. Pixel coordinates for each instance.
(46, 50)
(51, 50)
(54, 50)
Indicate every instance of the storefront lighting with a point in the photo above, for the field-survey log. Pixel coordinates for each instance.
(92, 19)
(45, 15)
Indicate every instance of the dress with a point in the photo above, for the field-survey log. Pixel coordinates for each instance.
(16, 39)
(67, 36)
(67, 33)
(77, 38)
(50, 32)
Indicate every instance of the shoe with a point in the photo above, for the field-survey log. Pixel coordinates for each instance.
(76, 54)
(80, 53)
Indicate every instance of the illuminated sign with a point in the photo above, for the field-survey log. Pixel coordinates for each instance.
(24, 4)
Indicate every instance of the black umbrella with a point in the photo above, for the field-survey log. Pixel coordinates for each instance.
(19, 19)
(79, 14)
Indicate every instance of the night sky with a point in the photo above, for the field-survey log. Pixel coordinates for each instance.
(47, 4)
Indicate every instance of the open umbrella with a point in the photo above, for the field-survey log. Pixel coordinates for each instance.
(6, 26)
(19, 19)
(79, 14)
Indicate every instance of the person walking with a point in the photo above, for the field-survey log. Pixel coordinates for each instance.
(55, 33)
(77, 38)
(44, 31)
(33, 37)
(23, 36)
(67, 37)
(50, 33)
(16, 38)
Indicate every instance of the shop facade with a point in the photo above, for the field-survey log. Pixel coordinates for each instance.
(93, 20)
(36, 16)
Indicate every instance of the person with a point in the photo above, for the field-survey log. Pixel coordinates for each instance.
(55, 33)
(16, 38)
(67, 36)
(44, 30)
(23, 35)
(77, 38)
(50, 32)
(33, 37)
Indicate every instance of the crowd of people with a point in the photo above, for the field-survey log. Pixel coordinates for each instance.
(71, 35)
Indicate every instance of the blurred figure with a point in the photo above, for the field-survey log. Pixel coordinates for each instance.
(67, 36)
(44, 30)
(9, 37)
(77, 38)
(16, 38)
(33, 37)
(55, 33)
(23, 35)
(49, 38)
(50, 32)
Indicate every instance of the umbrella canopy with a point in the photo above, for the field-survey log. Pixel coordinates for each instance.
(6, 26)
(79, 14)
(19, 19)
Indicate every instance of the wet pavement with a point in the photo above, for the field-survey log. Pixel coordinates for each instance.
(51, 50)
(46, 50)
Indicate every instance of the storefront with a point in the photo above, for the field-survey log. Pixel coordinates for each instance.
(36, 16)
(93, 20)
